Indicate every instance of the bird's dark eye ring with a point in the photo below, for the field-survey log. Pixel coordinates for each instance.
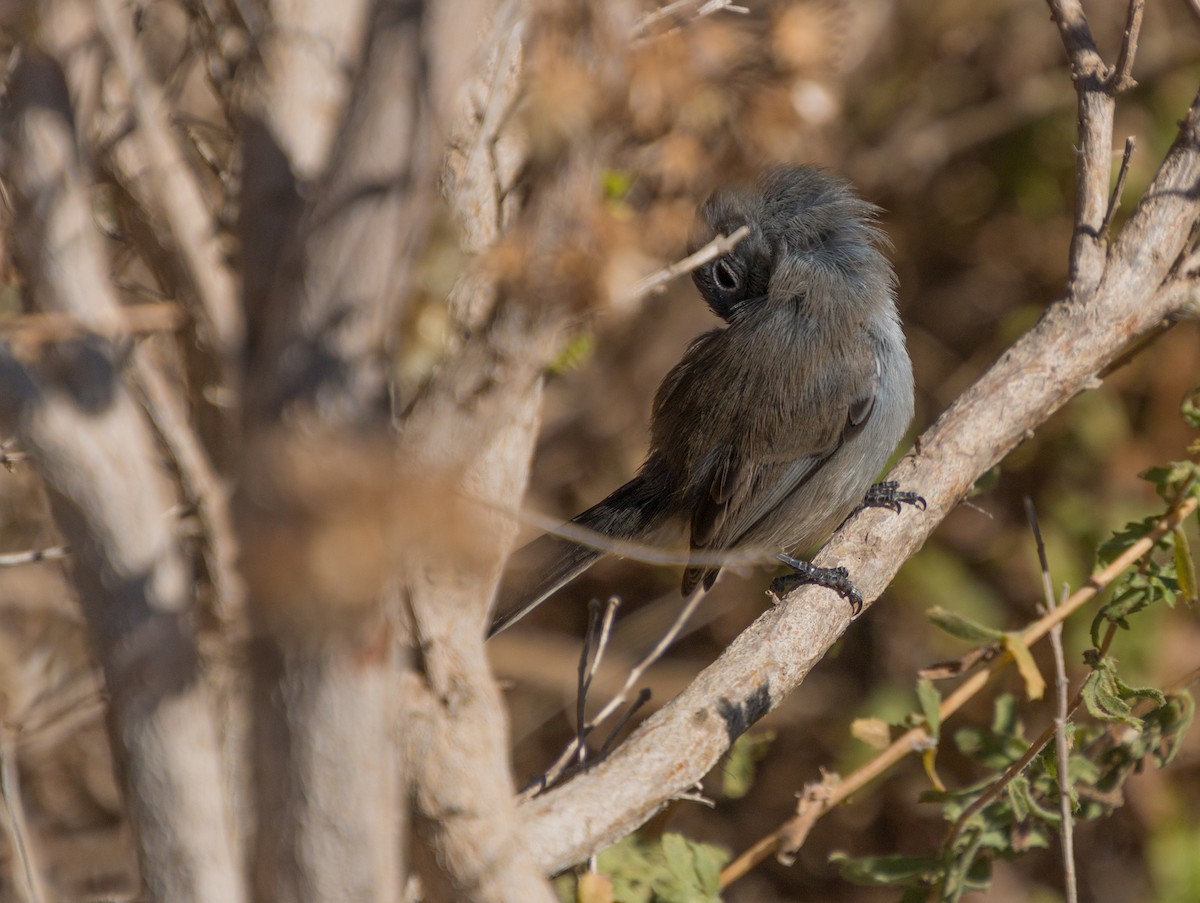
(724, 276)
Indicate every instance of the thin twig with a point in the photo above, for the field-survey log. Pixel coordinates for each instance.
(9, 458)
(1114, 200)
(1047, 587)
(1063, 754)
(718, 247)
(203, 488)
(135, 319)
(1122, 77)
(61, 712)
(554, 773)
(642, 698)
(1067, 828)
(918, 737)
(598, 631)
(748, 556)
(52, 553)
(706, 8)
(18, 826)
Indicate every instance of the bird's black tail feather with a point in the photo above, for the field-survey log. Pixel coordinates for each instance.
(538, 570)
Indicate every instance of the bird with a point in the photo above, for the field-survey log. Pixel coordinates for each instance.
(771, 429)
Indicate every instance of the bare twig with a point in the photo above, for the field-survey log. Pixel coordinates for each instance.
(1114, 200)
(655, 282)
(203, 488)
(53, 717)
(10, 789)
(52, 553)
(1122, 76)
(678, 8)
(639, 670)
(1063, 755)
(595, 644)
(555, 772)
(57, 326)
(9, 458)
(639, 701)
(1067, 828)
(1063, 711)
(1047, 587)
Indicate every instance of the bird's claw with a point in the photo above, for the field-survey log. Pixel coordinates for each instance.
(888, 494)
(805, 573)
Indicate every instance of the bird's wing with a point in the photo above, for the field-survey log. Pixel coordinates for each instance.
(750, 480)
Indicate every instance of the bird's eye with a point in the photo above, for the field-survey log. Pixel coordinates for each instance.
(725, 277)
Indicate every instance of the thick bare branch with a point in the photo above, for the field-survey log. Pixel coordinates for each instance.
(98, 458)
(1096, 106)
(293, 105)
(471, 436)
(331, 825)
(1054, 361)
(336, 297)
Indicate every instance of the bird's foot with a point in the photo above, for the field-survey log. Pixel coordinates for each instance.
(808, 574)
(889, 495)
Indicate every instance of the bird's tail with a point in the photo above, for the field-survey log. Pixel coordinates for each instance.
(538, 570)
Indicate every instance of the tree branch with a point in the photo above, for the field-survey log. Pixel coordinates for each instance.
(1094, 152)
(100, 463)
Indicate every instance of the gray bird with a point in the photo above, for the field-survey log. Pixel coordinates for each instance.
(770, 430)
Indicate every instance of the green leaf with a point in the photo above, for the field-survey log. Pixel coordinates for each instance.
(629, 863)
(1137, 590)
(1108, 698)
(1169, 478)
(693, 871)
(880, 871)
(564, 887)
(1004, 716)
(1120, 541)
(1170, 723)
(1185, 568)
(998, 746)
(1018, 797)
(672, 869)
(1190, 409)
(577, 350)
(615, 184)
(988, 480)
(964, 628)
(737, 775)
(931, 702)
